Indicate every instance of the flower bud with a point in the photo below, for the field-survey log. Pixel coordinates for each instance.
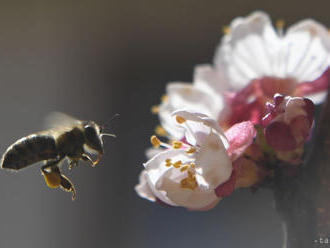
(288, 122)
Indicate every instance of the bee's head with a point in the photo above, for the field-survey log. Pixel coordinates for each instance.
(93, 137)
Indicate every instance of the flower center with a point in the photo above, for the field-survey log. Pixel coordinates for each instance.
(188, 167)
(189, 182)
(269, 86)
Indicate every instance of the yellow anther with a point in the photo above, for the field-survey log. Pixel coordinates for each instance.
(168, 164)
(193, 165)
(180, 119)
(155, 141)
(155, 109)
(177, 144)
(280, 23)
(164, 98)
(168, 160)
(189, 183)
(191, 175)
(226, 29)
(191, 150)
(184, 168)
(159, 130)
(177, 164)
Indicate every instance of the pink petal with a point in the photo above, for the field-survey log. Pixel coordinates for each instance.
(228, 187)
(318, 85)
(240, 136)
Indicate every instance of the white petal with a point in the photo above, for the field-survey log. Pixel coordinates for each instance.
(308, 50)
(210, 79)
(156, 170)
(143, 189)
(318, 98)
(249, 50)
(198, 127)
(151, 152)
(188, 97)
(213, 162)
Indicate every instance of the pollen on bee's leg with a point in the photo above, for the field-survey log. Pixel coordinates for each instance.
(52, 179)
(180, 119)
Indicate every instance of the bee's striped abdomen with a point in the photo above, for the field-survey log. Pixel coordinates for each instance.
(29, 150)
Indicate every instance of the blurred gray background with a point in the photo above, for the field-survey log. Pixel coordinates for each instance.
(93, 59)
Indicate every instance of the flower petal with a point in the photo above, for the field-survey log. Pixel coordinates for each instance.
(156, 169)
(248, 51)
(210, 78)
(188, 97)
(192, 199)
(240, 136)
(307, 46)
(212, 162)
(143, 189)
(198, 126)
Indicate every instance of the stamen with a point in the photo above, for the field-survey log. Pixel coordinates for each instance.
(159, 130)
(177, 164)
(191, 150)
(189, 183)
(226, 29)
(177, 144)
(280, 23)
(168, 160)
(155, 109)
(164, 98)
(155, 141)
(168, 164)
(193, 165)
(180, 119)
(184, 168)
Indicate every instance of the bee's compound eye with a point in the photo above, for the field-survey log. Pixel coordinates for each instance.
(93, 139)
(90, 131)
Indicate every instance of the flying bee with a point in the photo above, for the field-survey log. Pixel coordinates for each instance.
(68, 138)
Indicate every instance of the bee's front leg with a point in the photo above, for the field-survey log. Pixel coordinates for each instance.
(87, 158)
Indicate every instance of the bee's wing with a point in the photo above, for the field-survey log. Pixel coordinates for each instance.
(58, 119)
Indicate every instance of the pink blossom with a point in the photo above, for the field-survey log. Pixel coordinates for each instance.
(288, 122)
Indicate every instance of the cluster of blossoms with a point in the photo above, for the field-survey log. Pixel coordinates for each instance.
(242, 117)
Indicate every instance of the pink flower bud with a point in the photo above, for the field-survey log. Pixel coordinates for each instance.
(288, 122)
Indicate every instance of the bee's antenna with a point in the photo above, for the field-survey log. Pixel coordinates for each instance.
(113, 117)
(108, 134)
(109, 120)
(106, 125)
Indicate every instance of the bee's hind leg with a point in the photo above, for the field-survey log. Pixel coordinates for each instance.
(51, 173)
(54, 178)
(67, 186)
